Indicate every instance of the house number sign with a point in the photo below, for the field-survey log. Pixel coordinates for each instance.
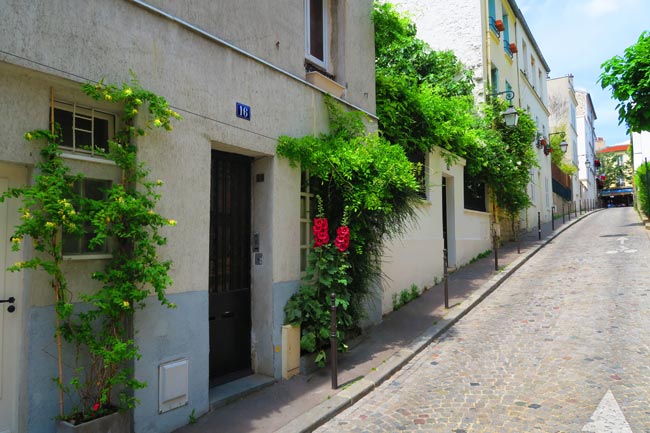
(243, 111)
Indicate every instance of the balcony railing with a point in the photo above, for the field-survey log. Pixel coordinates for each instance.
(493, 27)
(506, 48)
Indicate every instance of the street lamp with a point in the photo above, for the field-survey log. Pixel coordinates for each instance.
(563, 144)
(510, 116)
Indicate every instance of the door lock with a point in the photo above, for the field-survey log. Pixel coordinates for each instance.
(10, 300)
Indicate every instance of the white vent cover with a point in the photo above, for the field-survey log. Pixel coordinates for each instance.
(173, 384)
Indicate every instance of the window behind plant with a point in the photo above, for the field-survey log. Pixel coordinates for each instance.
(475, 193)
(308, 191)
(83, 129)
(417, 157)
(90, 189)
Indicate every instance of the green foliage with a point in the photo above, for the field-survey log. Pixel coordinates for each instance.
(424, 97)
(369, 179)
(480, 256)
(100, 329)
(642, 183)
(629, 80)
(310, 307)
(405, 296)
(503, 156)
(557, 156)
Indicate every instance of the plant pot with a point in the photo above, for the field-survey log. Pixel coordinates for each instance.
(513, 48)
(117, 422)
(499, 25)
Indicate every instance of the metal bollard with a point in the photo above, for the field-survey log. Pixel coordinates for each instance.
(496, 253)
(333, 343)
(539, 226)
(552, 217)
(446, 276)
(575, 210)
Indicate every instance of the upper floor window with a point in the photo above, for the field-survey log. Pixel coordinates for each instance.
(316, 34)
(508, 86)
(84, 129)
(494, 79)
(475, 196)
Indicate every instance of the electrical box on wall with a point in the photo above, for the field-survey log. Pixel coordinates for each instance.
(173, 384)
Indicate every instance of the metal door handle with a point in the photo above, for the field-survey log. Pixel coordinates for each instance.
(10, 300)
(227, 314)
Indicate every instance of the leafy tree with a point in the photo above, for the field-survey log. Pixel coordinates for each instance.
(629, 79)
(424, 97)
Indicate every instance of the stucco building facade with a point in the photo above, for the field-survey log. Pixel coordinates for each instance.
(209, 59)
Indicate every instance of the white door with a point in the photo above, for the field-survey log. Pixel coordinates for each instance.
(9, 312)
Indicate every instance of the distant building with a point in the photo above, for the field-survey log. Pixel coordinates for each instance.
(616, 175)
(586, 141)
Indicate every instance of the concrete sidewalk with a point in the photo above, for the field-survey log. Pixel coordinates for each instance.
(303, 403)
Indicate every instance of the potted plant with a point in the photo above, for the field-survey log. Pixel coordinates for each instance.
(499, 25)
(99, 330)
(513, 48)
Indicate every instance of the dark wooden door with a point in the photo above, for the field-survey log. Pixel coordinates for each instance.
(230, 267)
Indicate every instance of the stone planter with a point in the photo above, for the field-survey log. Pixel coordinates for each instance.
(118, 422)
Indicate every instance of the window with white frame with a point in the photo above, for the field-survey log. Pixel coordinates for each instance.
(494, 79)
(316, 32)
(84, 129)
(308, 192)
(73, 244)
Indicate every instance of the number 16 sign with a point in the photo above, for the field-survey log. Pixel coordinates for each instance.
(243, 111)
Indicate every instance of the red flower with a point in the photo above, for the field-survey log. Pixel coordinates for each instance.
(321, 234)
(95, 407)
(342, 241)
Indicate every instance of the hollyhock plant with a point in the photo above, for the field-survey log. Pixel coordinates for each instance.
(327, 273)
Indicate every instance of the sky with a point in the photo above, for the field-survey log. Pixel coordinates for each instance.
(577, 36)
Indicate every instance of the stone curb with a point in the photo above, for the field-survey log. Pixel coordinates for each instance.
(347, 396)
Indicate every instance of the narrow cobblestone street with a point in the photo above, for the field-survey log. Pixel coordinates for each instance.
(542, 352)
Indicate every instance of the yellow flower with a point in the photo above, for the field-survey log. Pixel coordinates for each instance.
(134, 111)
(16, 239)
(172, 222)
(157, 122)
(128, 91)
(126, 304)
(50, 225)
(28, 136)
(108, 97)
(159, 182)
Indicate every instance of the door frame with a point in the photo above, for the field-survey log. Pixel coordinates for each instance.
(11, 284)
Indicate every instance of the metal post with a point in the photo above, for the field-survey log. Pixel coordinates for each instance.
(496, 254)
(517, 237)
(552, 217)
(575, 210)
(539, 226)
(446, 275)
(333, 343)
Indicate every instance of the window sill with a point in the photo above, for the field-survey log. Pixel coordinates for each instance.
(326, 84)
(78, 257)
(86, 158)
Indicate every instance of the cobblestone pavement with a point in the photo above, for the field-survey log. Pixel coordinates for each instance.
(541, 352)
